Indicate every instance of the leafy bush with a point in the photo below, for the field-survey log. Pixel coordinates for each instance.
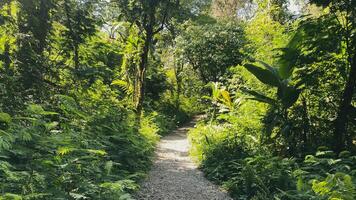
(248, 172)
(230, 161)
(325, 176)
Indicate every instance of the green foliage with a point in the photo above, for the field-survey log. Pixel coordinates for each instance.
(325, 176)
(212, 48)
(249, 172)
(264, 35)
(287, 94)
(66, 109)
(70, 154)
(123, 86)
(266, 76)
(232, 161)
(5, 120)
(220, 97)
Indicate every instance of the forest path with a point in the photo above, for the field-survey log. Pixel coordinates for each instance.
(174, 176)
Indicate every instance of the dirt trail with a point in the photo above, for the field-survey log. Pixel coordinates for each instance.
(174, 176)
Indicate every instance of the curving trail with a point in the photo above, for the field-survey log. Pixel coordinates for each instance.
(174, 176)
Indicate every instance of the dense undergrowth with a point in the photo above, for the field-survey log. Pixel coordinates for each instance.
(66, 152)
(232, 158)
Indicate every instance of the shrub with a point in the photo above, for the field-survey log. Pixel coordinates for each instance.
(237, 163)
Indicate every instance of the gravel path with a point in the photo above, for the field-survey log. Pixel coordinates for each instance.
(174, 176)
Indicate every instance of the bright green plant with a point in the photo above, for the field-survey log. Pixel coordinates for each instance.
(287, 94)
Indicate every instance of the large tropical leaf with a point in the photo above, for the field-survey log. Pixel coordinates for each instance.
(259, 97)
(287, 62)
(288, 95)
(264, 75)
(268, 67)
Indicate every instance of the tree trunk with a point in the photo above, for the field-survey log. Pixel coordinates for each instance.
(178, 96)
(306, 124)
(141, 75)
(76, 57)
(178, 70)
(7, 60)
(341, 122)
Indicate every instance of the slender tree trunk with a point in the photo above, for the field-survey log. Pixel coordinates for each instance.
(141, 75)
(341, 122)
(306, 124)
(7, 60)
(178, 96)
(179, 82)
(76, 56)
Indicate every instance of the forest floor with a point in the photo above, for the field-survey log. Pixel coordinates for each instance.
(174, 176)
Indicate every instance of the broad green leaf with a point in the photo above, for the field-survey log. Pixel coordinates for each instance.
(264, 75)
(287, 62)
(259, 97)
(268, 67)
(289, 95)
